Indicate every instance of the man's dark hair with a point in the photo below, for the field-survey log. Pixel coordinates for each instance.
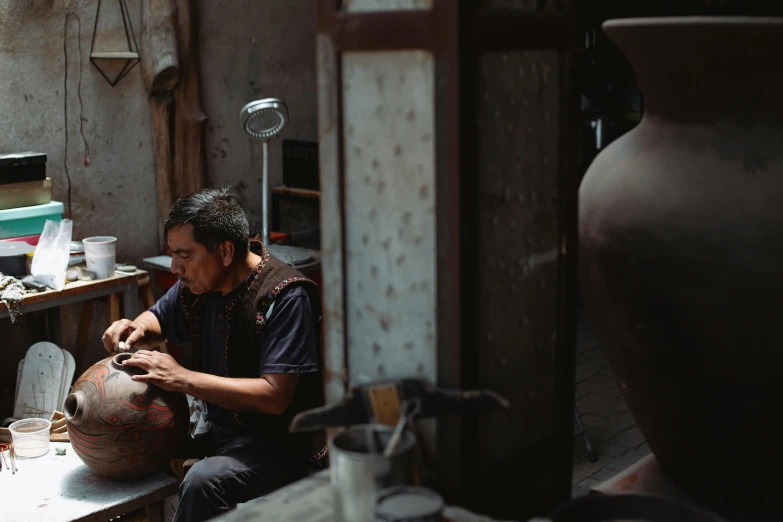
(216, 216)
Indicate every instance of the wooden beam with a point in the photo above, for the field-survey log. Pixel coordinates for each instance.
(297, 192)
(160, 64)
(189, 117)
(384, 31)
(160, 115)
(505, 30)
(490, 30)
(161, 71)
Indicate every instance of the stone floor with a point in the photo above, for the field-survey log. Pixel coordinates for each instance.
(610, 427)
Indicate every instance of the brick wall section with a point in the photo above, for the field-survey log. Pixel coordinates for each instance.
(610, 426)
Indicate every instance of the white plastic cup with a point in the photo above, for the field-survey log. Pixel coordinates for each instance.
(101, 255)
(31, 437)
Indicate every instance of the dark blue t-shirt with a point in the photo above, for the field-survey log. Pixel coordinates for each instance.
(287, 344)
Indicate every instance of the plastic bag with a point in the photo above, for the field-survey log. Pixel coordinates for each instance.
(50, 260)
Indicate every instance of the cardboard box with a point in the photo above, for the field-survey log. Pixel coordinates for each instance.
(27, 194)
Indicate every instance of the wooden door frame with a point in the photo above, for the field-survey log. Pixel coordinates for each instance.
(457, 32)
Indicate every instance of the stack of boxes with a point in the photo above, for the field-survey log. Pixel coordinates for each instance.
(25, 197)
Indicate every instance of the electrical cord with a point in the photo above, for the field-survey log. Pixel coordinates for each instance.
(65, 103)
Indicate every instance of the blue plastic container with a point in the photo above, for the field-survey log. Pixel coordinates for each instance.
(28, 221)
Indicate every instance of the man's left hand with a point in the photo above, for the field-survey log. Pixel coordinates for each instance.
(162, 370)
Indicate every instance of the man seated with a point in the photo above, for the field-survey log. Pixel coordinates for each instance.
(252, 325)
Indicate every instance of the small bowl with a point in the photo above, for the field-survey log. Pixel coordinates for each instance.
(31, 437)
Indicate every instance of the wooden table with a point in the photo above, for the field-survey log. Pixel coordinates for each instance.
(60, 488)
(79, 291)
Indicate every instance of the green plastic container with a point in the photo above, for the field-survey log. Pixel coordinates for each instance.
(28, 221)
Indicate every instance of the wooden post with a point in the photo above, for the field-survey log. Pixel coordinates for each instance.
(161, 71)
(83, 333)
(160, 114)
(114, 310)
(170, 68)
(160, 56)
(446, 139)
(189, 118)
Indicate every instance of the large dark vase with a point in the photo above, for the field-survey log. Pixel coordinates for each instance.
(681, 253)
(122, 428)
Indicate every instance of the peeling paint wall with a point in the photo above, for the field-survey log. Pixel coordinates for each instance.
(388, 100)
(252, 49)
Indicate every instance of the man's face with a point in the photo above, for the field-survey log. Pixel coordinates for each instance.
(199, 270)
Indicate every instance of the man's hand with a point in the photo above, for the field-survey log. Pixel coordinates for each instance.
(124, 330)
(162, 370)
(142, 332)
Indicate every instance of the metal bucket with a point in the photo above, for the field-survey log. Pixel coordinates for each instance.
(359, 470)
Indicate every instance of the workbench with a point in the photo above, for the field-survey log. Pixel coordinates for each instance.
(60, 488)
(126, 285)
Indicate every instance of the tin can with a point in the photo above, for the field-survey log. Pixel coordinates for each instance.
(359, 470)
(408, 504)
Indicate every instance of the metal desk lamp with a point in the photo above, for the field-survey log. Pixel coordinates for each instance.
(263, 120)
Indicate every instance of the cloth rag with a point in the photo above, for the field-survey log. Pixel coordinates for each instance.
(12, 295)
(198, 417)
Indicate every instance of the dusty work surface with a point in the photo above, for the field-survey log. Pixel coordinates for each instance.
(60, 488)
(75, 288)
(311, 500)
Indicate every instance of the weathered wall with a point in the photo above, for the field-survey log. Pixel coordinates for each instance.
(115, 194)
(252, 49)
(249, 50)
(120, 178)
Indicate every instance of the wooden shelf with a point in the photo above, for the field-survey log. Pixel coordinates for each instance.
(115, 55)
(74, 291)
(302, 193)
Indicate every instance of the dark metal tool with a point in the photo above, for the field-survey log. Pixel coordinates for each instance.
(380, 402)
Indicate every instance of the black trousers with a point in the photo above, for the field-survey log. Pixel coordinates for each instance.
(238, 467)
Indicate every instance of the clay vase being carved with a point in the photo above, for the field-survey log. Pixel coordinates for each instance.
(121, 428)
(681, 254)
